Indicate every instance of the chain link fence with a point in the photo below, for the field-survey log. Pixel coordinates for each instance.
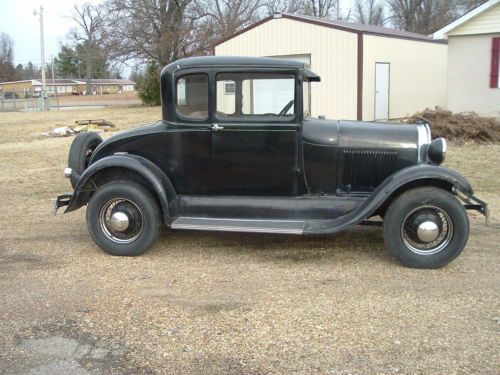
(20, 102)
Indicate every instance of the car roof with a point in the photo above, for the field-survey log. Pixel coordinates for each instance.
(237, 61)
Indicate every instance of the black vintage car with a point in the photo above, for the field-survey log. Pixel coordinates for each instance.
(237, 150)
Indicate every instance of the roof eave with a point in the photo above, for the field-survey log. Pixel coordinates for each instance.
(328, 25)
(443, 33)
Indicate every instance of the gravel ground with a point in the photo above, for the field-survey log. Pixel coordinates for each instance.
(218, 303)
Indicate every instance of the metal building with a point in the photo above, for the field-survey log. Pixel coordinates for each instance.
(367, 72)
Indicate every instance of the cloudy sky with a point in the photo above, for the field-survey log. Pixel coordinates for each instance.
(17, 20)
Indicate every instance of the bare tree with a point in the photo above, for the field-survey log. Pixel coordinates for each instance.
(321, 8)
(317, 8)
(423, 16)
(7, 69)
(89, 35)
(369, 12)
(150, 30)
(227, 16)
(468, 5)
(284, 6)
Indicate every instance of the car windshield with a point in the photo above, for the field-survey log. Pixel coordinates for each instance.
(255, 96)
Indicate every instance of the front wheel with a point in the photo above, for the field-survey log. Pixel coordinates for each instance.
(123, 218)
(426, 228)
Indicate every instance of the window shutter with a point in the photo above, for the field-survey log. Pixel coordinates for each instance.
(495, 57)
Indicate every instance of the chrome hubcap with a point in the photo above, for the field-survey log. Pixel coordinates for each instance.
(121, 220)
(427, 230)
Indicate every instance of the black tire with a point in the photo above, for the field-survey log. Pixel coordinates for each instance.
(137, 202)
(80, 152)
(415, 204)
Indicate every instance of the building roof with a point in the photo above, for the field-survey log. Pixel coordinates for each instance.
(70, 81)
(342, 25)
(56, 82)
(442, 33)
(111, 82)
(26, 80)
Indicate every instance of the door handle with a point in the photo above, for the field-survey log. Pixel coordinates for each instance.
(216, 127)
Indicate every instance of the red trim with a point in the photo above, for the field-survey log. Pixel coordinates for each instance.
(359, 99)
(495, 57)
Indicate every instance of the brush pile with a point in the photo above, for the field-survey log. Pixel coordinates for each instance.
(465, 127)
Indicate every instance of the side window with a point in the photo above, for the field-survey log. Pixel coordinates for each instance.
(255, 96)
(192, 96)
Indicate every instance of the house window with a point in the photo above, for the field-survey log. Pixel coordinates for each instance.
(495, 65)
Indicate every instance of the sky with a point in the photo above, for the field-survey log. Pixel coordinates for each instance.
(17, 20)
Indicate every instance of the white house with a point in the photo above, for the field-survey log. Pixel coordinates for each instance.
(473, 60)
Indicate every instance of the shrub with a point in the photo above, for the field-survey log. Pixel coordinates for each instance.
(149, 87)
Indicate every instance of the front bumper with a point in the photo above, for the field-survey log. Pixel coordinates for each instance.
(62, 201)
(471, 202)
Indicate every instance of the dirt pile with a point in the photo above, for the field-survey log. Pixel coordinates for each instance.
(465, 127)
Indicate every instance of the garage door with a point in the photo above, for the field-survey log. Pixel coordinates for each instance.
(272, 95)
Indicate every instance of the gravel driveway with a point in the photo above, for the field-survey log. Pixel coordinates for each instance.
(218, 303)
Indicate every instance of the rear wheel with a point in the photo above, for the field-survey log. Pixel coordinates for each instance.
(123, 218)
(81, 151)
(426, 228)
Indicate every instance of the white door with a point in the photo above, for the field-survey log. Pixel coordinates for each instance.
(382, 79)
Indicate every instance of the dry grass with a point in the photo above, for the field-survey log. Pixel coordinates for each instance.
(216, 303)
(23, 127)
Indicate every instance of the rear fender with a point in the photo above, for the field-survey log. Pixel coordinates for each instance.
(158, 181)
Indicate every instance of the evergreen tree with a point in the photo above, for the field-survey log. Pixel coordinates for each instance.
(149, 87)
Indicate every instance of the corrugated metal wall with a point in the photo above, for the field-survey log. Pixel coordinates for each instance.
(417, 74)
(333, 57)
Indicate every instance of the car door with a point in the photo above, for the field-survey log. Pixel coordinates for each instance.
(187, 153)
(255, 134)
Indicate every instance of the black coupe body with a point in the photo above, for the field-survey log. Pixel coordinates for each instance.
(237, 150)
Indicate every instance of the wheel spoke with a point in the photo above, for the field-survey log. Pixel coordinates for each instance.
(121, 220)
(427, 230)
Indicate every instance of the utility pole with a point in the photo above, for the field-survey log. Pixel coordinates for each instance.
(54, 87)
(42, 49)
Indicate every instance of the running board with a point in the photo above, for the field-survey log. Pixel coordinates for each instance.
(239, 225)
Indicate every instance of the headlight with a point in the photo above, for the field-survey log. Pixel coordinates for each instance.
(437, 150)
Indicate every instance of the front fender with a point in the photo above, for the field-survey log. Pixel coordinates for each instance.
(158, 180)
(426, 171)
(388, 187)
